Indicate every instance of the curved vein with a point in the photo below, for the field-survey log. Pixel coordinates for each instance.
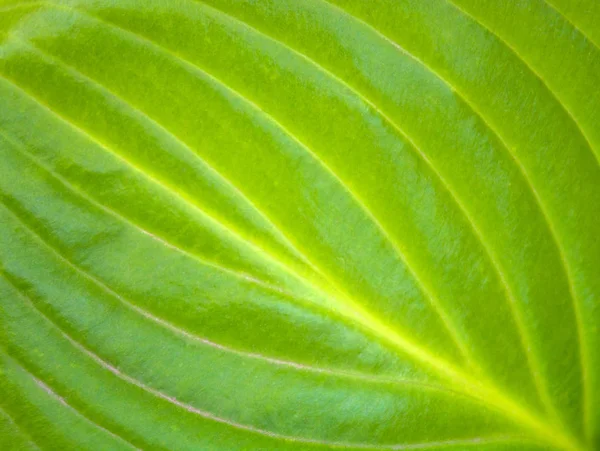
(525, 340)
(155, 124)
(52, 394)
(204, 341)
(355, 312)
(511, 298)
(204, 262)
(533, 71)
(11, 420)
(501, 401)
(437, 305)
(451, 328)
(573, 24)
(210, 416)
(576, 308)
(478, 441)
(477, 388)
(530, 184)
(179, 140)
(275, 290)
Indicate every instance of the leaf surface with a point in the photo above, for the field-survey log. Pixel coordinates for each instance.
(319, 224)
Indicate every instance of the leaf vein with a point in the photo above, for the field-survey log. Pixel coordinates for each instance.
(26, 434)
(212, 417)
(205, 262)
(576, 307)
(453, 331)
(52, 394)
(204, 341)
(572, 23)
(456, 198)
(471, 388)
(528, 180)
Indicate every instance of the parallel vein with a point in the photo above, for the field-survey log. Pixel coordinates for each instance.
(576, 307)
(450, 326)
(488, 394)
(534, 72)
(269, 288)
(371, 322)
(201, 260)
(52, 394)
(447, 186)
(572, 23)
(189, 335)
(526, 177)
(8, 416)
(210, 416)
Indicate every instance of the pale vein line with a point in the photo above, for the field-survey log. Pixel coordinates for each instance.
(359, 201)
(299, 301)
(157, 125)
(259, 251)
(99, 19)
(434, 300)
(362, 316)
(446, 185)
(576, 301)
(22, 430)
(532, 362)
(238, 235)
(358, 314)
(533, 365)
(62, 401)
(240, 275)
(572, 23)
(355, 311)
(204, 262)
(210, 219)
(520, 166)
(180, 141)
(453, 331)
(210, 416)
(52, 394)
(196, 338)
(538, 76)
(476, 388)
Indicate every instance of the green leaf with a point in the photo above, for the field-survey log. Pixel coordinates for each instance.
(300, 225)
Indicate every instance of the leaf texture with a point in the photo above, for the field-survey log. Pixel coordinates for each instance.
(285, 225)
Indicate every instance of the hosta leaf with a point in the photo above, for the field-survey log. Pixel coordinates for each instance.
(299, 224)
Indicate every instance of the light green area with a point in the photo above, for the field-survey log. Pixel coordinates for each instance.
(300, 225)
